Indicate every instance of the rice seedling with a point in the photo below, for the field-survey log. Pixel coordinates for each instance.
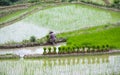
(54, 48)
(49, 50)
(44, 48)
(59, 50)
(98, 38)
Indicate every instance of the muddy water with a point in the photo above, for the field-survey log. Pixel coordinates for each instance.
(28, 50)
(80, 65)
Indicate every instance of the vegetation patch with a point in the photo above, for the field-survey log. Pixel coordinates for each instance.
(110, 36)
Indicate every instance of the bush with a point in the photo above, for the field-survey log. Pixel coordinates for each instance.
(32, 39)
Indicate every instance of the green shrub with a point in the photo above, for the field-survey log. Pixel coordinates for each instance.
(32, 39)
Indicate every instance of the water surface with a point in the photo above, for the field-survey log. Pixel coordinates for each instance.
(80, 65)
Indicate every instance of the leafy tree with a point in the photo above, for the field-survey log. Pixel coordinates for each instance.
(5, 2)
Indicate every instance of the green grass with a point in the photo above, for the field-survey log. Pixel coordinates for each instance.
(107, 36)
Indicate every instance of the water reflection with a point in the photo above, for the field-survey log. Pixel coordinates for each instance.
(82, 65)
(75, 60)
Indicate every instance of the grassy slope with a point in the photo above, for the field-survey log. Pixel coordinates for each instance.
(109, 36)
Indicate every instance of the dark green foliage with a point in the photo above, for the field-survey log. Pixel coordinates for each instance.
(63, 0)
(32, 39)
(33, 1)
(5, 2)
(14, 0)
(116, 4)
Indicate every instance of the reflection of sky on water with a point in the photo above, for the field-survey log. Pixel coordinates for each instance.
(82, 65)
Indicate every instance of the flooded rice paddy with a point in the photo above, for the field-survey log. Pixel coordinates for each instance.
(63, 18)
(28, 50)
(80, 65)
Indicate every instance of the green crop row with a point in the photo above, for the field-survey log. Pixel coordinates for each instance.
(75, 49)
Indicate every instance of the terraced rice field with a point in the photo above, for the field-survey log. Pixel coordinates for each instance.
(59, 19)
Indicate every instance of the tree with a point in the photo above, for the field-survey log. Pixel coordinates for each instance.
(5, 2)
(116, 3)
